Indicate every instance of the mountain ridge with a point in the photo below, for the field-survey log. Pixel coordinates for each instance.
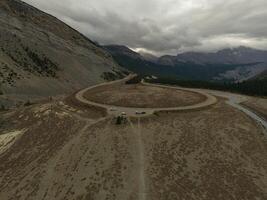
(240, 55)
(237, 64)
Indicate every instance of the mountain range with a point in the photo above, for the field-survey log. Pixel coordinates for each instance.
(237, 64)
(240, 55)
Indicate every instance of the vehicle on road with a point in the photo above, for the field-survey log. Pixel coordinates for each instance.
(113, 109)
(140, 112)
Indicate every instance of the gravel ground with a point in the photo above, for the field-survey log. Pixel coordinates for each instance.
(212, 153)
(142, 96)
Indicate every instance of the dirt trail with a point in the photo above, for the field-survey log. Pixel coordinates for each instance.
(142, 183)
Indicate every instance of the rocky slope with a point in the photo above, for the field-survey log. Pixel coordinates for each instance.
(42, 56)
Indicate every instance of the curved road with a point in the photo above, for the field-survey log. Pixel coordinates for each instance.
(117, 110)
(234, 100)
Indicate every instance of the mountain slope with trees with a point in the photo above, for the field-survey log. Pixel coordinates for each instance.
(254, 87)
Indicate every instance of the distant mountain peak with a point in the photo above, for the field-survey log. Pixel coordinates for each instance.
(148, 56)
(122, 50)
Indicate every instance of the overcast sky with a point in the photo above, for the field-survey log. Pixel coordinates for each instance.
(165, 26)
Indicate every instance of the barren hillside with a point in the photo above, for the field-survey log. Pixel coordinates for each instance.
(42, 56)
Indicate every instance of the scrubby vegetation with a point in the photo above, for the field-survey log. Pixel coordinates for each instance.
(135, 80)
(109, 76)
(119, 120)
(114, 75)
(3, 108)
(1, 92)
(120, 74)
(8, 75)
(43, 64)
(28, 103)
(257, 87)
(27, 58)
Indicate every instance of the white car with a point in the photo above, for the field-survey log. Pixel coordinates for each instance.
(113, 109)
(123, 113)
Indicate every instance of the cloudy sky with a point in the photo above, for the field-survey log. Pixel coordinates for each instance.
(165, 26)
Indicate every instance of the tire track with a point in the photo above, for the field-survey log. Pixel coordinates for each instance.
(141, 158)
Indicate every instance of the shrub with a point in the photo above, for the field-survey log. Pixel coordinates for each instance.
(134, 80)
(119, 120)
(28, 103)
(2, 108)
(108, 76)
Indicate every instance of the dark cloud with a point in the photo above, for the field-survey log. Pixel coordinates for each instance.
(166, 26)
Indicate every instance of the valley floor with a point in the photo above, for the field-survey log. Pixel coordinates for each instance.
(66, 150)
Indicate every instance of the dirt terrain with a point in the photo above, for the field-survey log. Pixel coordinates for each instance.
(258, 105)
(142, 96)
(67, 150)
(216, 153)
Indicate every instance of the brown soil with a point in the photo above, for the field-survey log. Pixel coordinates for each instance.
(213, 153)
(88, 110)
(138, 95)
